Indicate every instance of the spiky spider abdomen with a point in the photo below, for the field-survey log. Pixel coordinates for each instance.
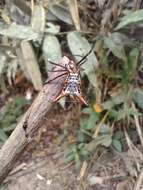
(72, 85)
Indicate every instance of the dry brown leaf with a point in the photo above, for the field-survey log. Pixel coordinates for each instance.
(73, 7)
(83, 170)
(38, 19)
(31, 65)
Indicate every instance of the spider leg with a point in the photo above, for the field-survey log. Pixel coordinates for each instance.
(86, 55)
(50, 80)
(56, 64)
(78, 95)
(62, 94)
(79, 65)
(54, 71)
(81, 99)
(79, 56)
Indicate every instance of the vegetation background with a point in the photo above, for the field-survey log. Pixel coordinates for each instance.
(101, 144)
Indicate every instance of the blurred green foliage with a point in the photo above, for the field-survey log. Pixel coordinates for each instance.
(120, 61)
(10, 114)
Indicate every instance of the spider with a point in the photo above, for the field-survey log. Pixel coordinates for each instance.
(72, 83)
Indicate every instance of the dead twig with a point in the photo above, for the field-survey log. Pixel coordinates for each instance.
(32, 120)
(139, 183)
(138, 125)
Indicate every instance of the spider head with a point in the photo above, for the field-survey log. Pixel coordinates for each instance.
(72, 66)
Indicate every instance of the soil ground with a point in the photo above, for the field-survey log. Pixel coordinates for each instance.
(42, 167)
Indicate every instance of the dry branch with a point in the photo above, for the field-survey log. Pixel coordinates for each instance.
(40, 108)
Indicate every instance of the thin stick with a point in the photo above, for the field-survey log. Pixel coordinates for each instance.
(139, 130)
(55, 78)
(139, 182)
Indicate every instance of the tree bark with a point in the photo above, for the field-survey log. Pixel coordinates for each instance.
(33, 118)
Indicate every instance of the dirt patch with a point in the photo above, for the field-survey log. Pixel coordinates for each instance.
(108, 172)
(42, 167)
(47, 173)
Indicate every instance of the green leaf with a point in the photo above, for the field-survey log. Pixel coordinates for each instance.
(52, 28)
(126, 112)
(10, 113)
(88, 122)
(77, 162)
(120, 38)
(132, 61)
(116, 48)
(69, 158)
(80, 145)
(105, 129)
(129, 68)
(72, 149)
(117, 145)
(80, 136)
(87, 110)
(4, 187)
(51, 50)
(80, 46)
(9, 128)
(61, 13)
(84, 152)
(91, 121)
(133, 56)
(19, 32)
(83, 122)
(104, 140)
(116, 100)
(119, 135)
(20, 101)
(131, 18)
(138, 98)
(3, 136)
